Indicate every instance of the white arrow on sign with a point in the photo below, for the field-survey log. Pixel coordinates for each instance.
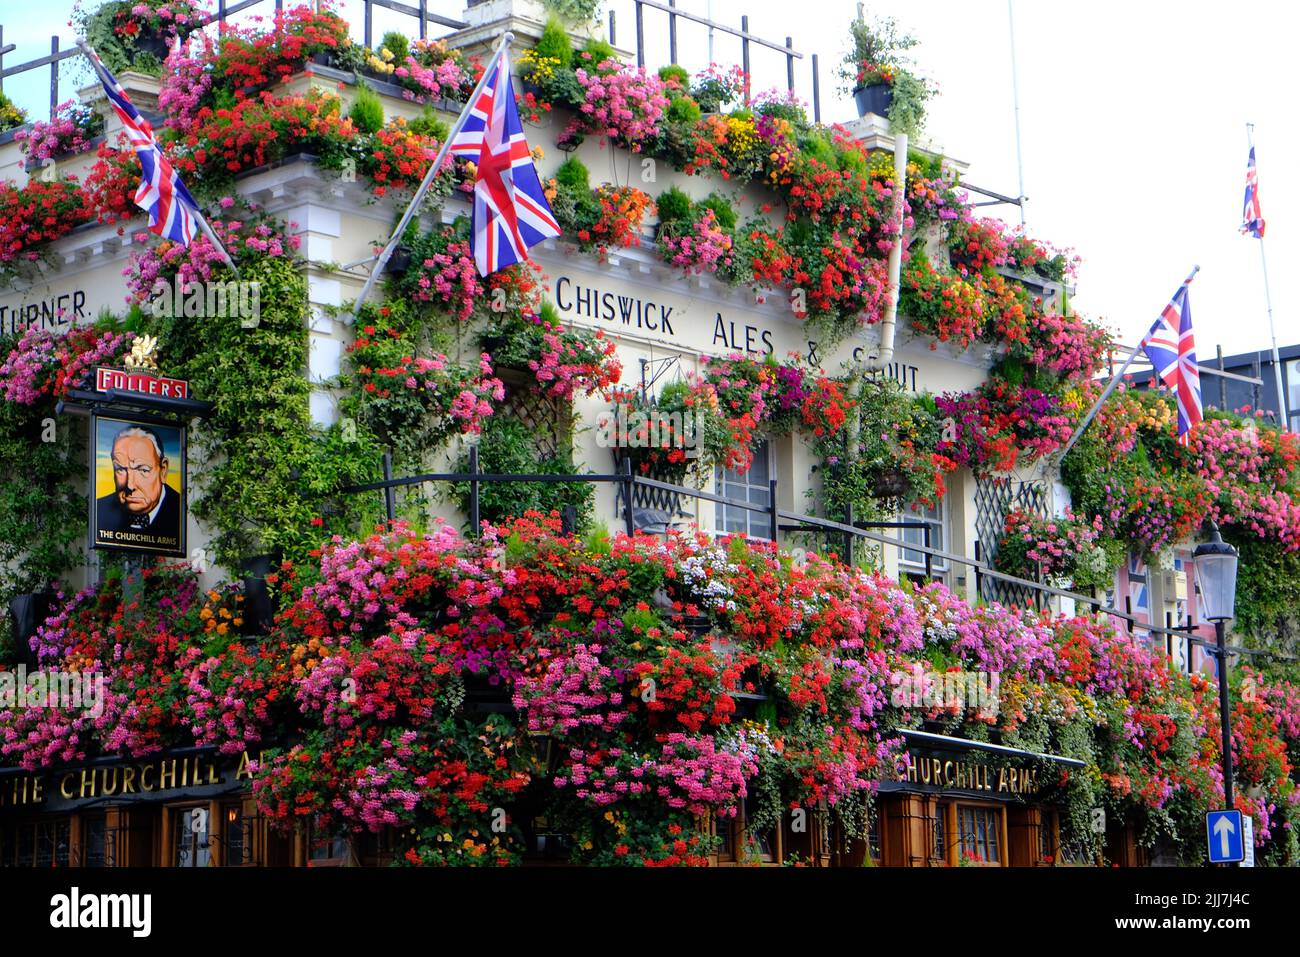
(1224, 827)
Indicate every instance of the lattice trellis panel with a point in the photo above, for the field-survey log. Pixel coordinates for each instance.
(995, 498)
(550, 420)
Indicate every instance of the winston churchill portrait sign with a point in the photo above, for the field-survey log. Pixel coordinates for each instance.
(139, 487)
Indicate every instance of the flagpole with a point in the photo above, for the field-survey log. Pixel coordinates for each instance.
(1110, 386)
(212, 238)
(1283, 422)
(378, 269)
(96, 65)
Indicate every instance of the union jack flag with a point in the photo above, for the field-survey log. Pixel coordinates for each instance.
(1172, 351)
(173, 213)
(510, 209)
(1252, 220)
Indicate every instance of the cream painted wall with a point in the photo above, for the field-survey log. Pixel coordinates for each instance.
(340, 224)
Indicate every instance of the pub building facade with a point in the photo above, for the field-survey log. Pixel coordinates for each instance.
(960, 799)
(980, 804)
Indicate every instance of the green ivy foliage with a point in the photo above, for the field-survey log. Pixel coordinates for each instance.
(507, 446)
(43, 514)
(1268, 595)
(269, 471)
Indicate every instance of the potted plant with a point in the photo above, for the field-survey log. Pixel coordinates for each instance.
(875, 73)
(27, 612)
(138, 34)
(400, 260)
(888, 466)
(11, 115)
(259, 599)
(658, 435)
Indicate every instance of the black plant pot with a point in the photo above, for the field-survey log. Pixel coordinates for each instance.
(399, 261)
(890, 484)
(874, 99)
(28, 612)
(483, 697)
(323, 59)
(698, 625)
(259, 600)
(155, 44)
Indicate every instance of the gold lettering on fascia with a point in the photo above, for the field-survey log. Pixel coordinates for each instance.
(89, 783)
(969, 776)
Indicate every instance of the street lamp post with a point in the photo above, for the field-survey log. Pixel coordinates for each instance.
(1216, 570)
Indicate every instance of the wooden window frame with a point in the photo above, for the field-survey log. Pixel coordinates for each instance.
(9, 840)
(172, 815)
(1003, 844)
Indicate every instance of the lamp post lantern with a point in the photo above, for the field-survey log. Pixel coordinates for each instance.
(1216, 572)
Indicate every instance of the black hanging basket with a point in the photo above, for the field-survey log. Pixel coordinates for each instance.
(28, 612)
(874, 99)
(154, 44)
(400, 260)
(259, 600)
(892, 484)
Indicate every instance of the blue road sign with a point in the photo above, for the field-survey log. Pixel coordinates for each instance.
(1224, 831)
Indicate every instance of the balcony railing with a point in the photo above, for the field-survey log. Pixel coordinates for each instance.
(629, 481)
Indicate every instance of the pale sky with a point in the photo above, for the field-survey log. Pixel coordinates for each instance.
(1133, 122)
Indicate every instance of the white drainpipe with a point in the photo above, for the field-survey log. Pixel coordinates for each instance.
(885, 354)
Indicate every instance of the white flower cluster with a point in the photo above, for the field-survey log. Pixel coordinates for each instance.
(705, 573)
(749, 740)
(1095, 562)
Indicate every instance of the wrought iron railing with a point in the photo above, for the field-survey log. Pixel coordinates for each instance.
(423, 17)
(224, 12)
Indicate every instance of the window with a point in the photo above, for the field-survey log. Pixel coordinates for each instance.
(330, 851)
(751, 486)
(912, 560)
(190, 833)
(726, 829)
(1047, 838)
(35, 843)
(237, 833)
(760, 843)
(980, 833)
(939, 833)
(100, 841)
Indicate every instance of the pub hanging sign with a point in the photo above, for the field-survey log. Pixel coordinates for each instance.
(138, 465)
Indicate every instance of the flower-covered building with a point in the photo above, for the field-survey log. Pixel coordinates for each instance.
(616, 671)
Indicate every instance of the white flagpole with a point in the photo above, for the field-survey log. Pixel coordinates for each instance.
(97, 66)
(1110, 386)
(378, 269)
(1283, 421)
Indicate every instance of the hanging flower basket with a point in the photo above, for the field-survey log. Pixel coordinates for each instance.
(28, 612)
(400, 260)
(259, 600)
(154, 44)
(891, 484)
(875, 98)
